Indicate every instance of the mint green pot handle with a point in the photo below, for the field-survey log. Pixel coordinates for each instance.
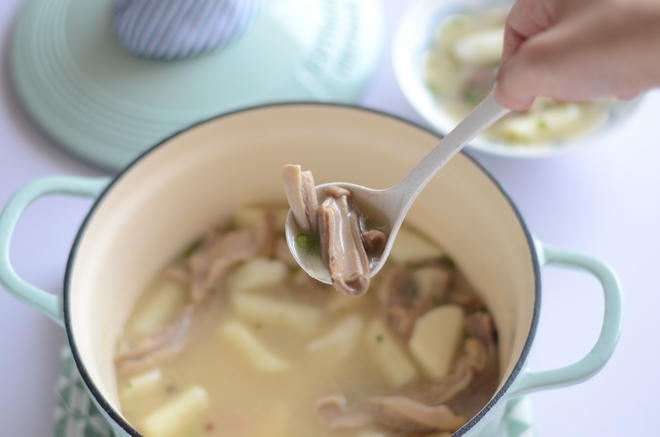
(47, 303)
(531, 381)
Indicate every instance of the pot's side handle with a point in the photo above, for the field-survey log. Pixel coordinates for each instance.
(47, 303)
(530, 381)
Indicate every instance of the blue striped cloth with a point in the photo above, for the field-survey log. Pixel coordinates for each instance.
(170, 29)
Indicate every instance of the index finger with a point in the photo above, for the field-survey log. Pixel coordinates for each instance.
(526, 19)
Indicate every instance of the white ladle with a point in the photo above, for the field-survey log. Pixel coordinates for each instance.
(393, 203)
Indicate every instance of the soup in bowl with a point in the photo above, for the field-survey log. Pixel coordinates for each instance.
(146, 218)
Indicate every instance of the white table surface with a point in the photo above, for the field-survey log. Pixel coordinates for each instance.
(603, 200)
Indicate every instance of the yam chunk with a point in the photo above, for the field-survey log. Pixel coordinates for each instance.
(163, 300)
(410, 247)
(435, 339)
(249, 216)
(340, 341)
(257, 354)
(263, 309)
(142, 383)
(388, 354)
(541, 125)
(177, 414)
(480, 48)
(257, 273)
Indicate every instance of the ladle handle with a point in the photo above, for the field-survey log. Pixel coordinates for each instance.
(47, 303)
(484, 115)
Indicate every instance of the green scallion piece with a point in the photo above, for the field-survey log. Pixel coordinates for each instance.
(191, 249)
(473, 97)
(449, 261)
(307, 242)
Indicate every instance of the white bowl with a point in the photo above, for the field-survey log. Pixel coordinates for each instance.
(411, 43)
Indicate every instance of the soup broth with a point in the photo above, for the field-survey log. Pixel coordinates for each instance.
(231, 341)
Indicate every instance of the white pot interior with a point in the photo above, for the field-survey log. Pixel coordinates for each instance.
(198, 177)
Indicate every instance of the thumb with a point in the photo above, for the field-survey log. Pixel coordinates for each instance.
(513, 89)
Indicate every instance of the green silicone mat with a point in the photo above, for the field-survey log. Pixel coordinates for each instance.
(77, 416)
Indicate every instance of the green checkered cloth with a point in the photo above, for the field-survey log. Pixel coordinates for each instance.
(75, 413)
(77, 416)
(518, 418)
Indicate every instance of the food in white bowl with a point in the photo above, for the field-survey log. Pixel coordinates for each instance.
(233, 338)
(461, 69)
(417, 36)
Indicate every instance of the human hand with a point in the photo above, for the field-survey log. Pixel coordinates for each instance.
(579, 50)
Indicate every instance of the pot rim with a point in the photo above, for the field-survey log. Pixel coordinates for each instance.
(117, 417)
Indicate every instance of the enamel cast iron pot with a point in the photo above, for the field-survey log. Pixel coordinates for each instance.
(172, 193)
